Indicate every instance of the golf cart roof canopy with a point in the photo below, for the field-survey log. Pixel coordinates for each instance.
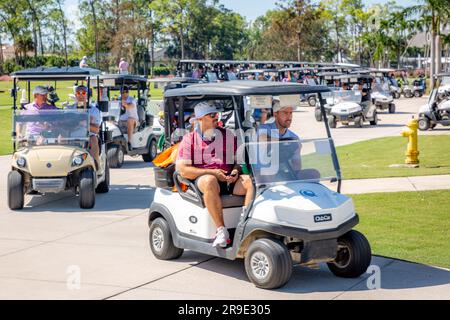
(354, 77)
(250, 71)
(175, 80)
(245, 88)
(299, 69)
(330, 74)
(444, 74)
(55, 73)
(125, 78)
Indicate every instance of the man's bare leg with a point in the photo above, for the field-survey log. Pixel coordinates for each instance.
(209, 186)
(94, 150)
(131, 123)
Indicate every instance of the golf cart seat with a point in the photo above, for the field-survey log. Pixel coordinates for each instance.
(195, 196)
(141, 115)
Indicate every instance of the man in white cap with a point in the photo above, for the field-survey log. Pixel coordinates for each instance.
(203, 155)
(39, 103)
(279, 128)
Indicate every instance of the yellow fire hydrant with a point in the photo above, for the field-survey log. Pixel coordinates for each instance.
(410, 132)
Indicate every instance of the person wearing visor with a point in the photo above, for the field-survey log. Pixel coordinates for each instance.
(207, 155)
(95, 119)
(129, 117)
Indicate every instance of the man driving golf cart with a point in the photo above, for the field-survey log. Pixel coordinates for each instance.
(203, 156)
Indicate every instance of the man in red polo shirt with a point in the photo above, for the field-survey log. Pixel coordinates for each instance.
(208, 156)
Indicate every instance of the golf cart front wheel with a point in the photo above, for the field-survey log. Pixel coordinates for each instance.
(332, 121)
(15, 190)
(268, 263)
(116, 156)
(353, 256)
(359, 121)
(152, 152)
(312, 101)
(392, 108)
(424, 124)
(318, 114)
(161, 242)
(87, 190)
(417, 94)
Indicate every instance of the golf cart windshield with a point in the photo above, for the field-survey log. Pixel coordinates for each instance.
(341, 96)
(296, 155)
(381, 87)
(51, 127)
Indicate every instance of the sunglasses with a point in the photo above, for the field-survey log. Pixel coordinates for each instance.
(213, 115)
(81, 93)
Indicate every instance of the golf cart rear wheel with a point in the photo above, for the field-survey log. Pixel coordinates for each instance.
(312, 101)
(332, 121)
(391, 108)
(268, 263)
(359, 122)
(15, 190)
(417, 94)
(161, 241)
(103, 187)
(424, 124)
(87, 190)
(318, 114)
(152, 152)
(353, 256)
(116, 156)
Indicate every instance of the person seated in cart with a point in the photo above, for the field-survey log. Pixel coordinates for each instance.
(203, 155)
(81, 95)
(129, 118)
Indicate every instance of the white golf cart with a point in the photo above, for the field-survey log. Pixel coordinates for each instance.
(51, 146)
(144, 139)
(382, 97)
(437, 109)
(294, 218)
(350, 105)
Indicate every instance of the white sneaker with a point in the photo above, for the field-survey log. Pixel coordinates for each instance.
(222, 237)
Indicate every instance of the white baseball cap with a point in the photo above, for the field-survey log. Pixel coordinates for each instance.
(204, 108)
(276, 105)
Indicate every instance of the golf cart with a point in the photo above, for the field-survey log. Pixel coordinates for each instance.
(444, 83)
(213, 70)
(385, 77)
(419, 86)
(297, 74)
(350, 105)
(144, 139)
(51, 146)
(328, 78)
(381, 96)
(437, 109)
(293, 218)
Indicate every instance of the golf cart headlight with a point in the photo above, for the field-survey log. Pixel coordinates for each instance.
(78, 160)
(21, 162)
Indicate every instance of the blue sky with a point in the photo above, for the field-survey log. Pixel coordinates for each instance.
(251, 9)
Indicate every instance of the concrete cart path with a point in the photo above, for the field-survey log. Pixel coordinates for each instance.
(48, 246)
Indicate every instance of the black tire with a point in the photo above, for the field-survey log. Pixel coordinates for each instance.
(15, 190)
(152, 152)
(103, 187)
(374, 122)
(359, 122)
(417, 94)
(115, 156)
(161, 242)
(312, 101)
(277, 261)
(318, 115)
(332, 121)
(86, 189)
(424, 124)
(353, 257)
(397, 95)
(391, 108)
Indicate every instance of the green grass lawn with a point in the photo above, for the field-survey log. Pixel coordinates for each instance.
(413, 226)
(371, 159)
(5, 132)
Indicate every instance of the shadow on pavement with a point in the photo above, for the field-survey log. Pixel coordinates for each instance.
(395, 274)
(119, 197)
(366, 125)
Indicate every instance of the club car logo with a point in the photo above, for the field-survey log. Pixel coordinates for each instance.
(308, 193)
(322, 217)
(193, 219)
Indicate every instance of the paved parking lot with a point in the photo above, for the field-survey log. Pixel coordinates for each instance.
(43, 247)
